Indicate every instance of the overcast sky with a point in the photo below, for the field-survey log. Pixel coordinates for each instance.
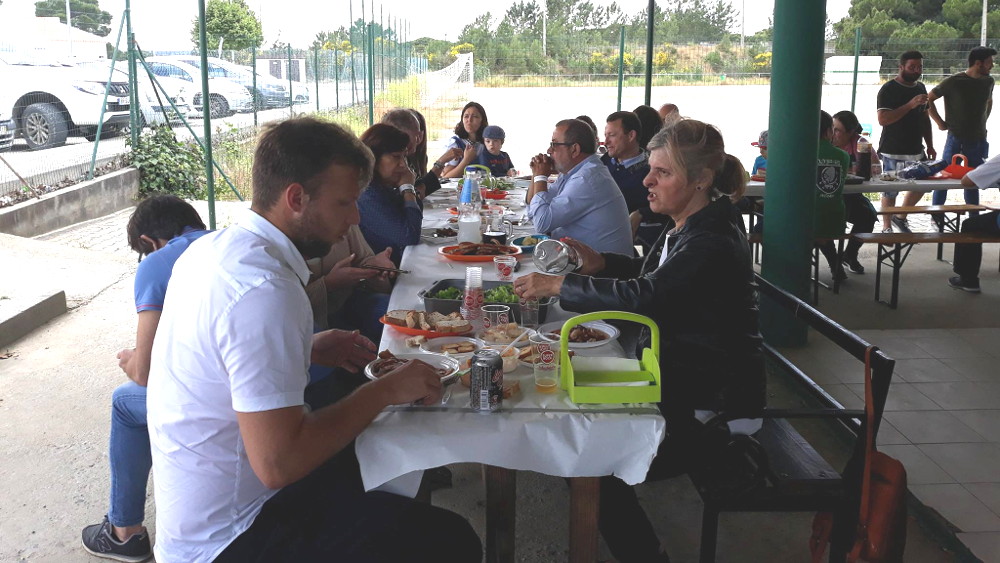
(160, 25)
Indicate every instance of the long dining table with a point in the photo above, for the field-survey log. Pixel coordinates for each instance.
(755, 188)
(534, 431)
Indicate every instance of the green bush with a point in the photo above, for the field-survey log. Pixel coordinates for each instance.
(167, 165)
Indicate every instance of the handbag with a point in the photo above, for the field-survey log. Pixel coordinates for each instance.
(881, 531)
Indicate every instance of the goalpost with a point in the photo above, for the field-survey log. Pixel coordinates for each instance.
(455, 82)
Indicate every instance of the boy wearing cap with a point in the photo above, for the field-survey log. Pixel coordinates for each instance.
(760, 163)
(491, 156)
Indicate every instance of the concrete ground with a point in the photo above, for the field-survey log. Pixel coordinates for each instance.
(56, 383)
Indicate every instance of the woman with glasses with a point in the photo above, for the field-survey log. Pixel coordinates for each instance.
(391, 213)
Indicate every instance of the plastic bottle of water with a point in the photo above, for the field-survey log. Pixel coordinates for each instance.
(470, 201)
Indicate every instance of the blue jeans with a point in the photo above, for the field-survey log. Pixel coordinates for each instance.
(362, 311)
(129, 455)
(976, 152)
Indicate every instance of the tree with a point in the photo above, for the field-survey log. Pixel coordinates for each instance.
(85, 14)
(966, 16)
(233, 22)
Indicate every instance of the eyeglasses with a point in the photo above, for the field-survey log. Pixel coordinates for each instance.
(554, 144)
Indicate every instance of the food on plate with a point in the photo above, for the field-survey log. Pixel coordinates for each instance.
(435, 322)
(476, 249)
(581, 333)
(458, 347)
(387, 361)
(415, 341)
(495, 183)
(445, 232)
(887, 177)
(509, 359)
(529, 241)
(501, 294)
(447, 293)
(504, 333)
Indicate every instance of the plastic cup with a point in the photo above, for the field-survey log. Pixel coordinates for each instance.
(546, 369)
(505, 267)
(529, 312)
(494, 315)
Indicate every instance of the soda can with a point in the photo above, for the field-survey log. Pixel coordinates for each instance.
(486, 381)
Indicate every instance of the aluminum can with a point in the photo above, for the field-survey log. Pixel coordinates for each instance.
(486, 381)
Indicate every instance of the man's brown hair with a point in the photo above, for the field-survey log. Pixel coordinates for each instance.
(299, 149)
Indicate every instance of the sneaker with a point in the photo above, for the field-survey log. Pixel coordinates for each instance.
(100, 540)
(854, 266)
(958, 282)
(887, 230)
(839, 274)
(901, 224)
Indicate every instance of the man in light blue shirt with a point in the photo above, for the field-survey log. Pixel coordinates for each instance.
(584, 203)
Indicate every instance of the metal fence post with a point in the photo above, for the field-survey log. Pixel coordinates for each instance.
(253, 62)
(336, 74)
(316, 75)
(206, 111)
(621, 66)
(291, 92)
(371, 76)
(857, 54)
(649, 51)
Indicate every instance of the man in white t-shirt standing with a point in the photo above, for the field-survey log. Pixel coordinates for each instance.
(243, 471)
(969, 256)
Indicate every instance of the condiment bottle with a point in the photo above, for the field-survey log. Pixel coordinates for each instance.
(864, 160)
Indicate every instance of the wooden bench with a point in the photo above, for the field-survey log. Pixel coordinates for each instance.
(893, 249)
(946, 224)
(757, 239)
(795, 477)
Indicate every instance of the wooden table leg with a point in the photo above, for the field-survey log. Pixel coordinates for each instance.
(584, 502)
(501, 494)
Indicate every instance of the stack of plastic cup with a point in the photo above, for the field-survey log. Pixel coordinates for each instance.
(472, 299)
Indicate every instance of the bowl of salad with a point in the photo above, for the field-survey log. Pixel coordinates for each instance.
(445, 296)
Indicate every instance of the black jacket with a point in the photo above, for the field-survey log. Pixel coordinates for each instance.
(704, 301)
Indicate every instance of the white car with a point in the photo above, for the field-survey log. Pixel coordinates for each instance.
(225, 96)
(153, 104)
(270, 92)
(50, 101)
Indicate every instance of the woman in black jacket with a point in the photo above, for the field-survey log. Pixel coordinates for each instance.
(697, 283)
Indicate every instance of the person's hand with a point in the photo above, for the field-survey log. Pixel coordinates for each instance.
(451, 154)
(343, 274)
(406, 177)
(917, 101)
(412, 382)
(340, 348)
(381, 259)
(537, 285)
(470, 153)
(591, 261)
(123, 358)
(541, 165)
(931, 153)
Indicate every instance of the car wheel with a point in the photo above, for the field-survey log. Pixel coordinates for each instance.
(218, 106)
(43, 126)
(260, 101)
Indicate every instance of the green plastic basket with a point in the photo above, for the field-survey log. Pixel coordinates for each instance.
(575, 382)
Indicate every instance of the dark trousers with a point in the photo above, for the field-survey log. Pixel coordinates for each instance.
(327, 516)
(860, 213)
(622, 521)
(969, 257)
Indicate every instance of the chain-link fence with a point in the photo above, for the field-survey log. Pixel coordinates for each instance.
(353, 80)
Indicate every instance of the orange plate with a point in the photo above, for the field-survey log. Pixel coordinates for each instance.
(474, 258)
(453, 210)
(418, 332)
(499, 194)
(756, 178)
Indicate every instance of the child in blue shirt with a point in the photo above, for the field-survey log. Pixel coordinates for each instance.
(760, 163)
(490, 154)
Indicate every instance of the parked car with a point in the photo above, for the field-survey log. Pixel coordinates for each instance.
(50, 101)
(225, 96)
(152, 108)
(6, 133)
(270, 92)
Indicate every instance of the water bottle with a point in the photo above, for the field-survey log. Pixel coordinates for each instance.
(471, 187)
(469, 223)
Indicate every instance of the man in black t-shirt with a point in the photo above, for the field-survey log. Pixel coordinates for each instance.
(968, 100)
(902, 113)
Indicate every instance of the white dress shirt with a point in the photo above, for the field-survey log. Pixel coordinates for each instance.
(235, 336)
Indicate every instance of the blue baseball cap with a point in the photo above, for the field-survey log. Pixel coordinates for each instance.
(493, 132)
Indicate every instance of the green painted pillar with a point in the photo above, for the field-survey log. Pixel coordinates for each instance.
(796, 89)
(206, 112)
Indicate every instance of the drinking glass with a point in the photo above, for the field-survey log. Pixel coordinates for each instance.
(494, 315)
(546, 369)
(505, 267)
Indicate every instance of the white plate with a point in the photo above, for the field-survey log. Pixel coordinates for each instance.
(439, 361)
(433, 346)
(604, 327)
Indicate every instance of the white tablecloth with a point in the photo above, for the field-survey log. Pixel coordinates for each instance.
(875, 186)
(540, 432)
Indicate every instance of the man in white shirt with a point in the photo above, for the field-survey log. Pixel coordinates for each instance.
(244, 472)
(969, 256)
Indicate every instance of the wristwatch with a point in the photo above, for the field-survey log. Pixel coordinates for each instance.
(407, 188)
(437, 165)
